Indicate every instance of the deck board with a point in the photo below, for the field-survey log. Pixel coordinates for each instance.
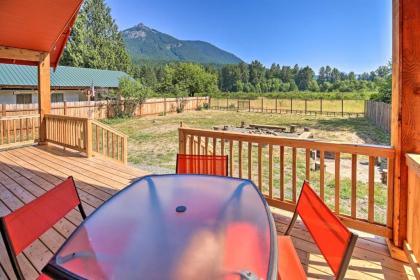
(28, 172)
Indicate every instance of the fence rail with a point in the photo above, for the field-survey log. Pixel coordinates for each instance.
(16, 130)
(379, 113)
(340, 107)
(105, 109)
(278, 165)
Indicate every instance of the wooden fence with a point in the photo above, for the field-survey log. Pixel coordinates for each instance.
(341, 107)
(379, 113)
(278, 166)
(105, 109)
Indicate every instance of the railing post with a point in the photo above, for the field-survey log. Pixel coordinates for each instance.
(88, 137)
(3, 109)
(125, 152)
(181, 140)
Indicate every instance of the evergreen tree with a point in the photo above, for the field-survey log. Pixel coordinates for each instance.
(95, 41)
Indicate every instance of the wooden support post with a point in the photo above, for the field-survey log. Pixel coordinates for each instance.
(342, 107)
(3, 109)
(249, 104)
(237, 106)
(405, 136)
(306, 106)
(44, 96)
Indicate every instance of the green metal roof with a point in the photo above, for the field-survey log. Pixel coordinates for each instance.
(63, 76)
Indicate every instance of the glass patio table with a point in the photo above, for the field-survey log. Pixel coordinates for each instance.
(174, 227)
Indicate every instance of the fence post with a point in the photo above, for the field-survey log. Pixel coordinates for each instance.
(238, 106)
(321, 106)
(227, 103)
(164, 106)
(3, 109)
(291, 105)
(65, 108)
(249, 104)
(276, 105)
(306, 106)
(262, 105)
(342, 107)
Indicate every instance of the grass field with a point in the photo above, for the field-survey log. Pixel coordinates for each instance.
(153, 144)
(349, 106)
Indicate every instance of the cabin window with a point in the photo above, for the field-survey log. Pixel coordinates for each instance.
(24, 98)
(57, 97)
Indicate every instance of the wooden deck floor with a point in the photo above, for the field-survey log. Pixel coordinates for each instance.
(28, 172)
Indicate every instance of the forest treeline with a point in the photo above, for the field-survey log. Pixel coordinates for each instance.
(95, 42)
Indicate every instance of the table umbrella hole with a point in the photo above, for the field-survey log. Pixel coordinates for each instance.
(181, 209)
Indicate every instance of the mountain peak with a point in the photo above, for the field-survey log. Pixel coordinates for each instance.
(145, 43)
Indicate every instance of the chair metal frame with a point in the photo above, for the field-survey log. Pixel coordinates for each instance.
(8, 242)
(350, 246)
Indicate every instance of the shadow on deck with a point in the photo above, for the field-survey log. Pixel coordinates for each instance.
(28, 172)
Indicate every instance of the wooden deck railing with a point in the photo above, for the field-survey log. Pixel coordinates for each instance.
(109, 142)
(69, 132)
(412, 245)
(86, 135)
(279, 165)
(16, 130)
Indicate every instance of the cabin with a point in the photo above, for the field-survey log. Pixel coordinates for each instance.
(19, 83)
(96, 155)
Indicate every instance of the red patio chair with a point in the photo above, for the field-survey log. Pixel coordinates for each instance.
(22, 227)
(333, 239)
(202, 164)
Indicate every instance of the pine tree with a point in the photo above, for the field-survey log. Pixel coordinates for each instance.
(95, 41)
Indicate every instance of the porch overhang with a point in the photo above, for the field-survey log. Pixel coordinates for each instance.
(29, 30)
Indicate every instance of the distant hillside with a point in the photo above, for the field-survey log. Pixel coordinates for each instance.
(144, 43)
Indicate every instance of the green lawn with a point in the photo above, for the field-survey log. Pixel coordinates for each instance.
(153, 144)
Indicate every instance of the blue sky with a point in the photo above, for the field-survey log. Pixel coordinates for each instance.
(353, 35)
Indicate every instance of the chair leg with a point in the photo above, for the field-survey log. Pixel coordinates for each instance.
(292, 223)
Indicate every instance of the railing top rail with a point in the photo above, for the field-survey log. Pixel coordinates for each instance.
(330, 146)
(104, 126)
(17, 117)
(52, 116)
